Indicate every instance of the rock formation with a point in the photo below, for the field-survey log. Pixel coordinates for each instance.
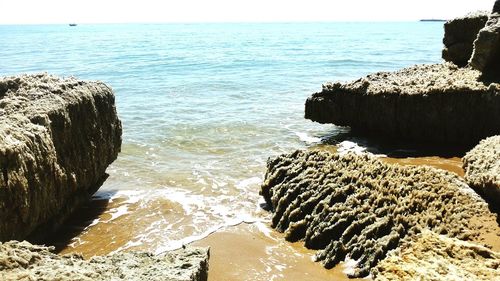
(486, 55)
(57, 137)
(438, 103)
(359, 207)
(23, 261)
(428, 103)
(435, 257)
(482, 168)
(459, 37)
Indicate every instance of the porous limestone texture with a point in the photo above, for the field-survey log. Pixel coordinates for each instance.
(486, 55)
(439, 103)
(459, 37)
(23, 261)
(436, 257)
(57, 137)
(359, 207)
(482, 168)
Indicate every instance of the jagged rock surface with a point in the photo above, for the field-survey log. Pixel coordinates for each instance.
(57, 137)
(482, 168)
(438, 103)
(435, 257)
(486, 55)
(459, 37)
(360, 207)
(23, 261)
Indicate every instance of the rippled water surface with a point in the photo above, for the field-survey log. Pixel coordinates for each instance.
(203, 106)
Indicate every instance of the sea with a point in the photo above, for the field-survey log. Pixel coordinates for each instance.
(203, 107)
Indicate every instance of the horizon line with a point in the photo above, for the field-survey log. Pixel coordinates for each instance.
(232, 22)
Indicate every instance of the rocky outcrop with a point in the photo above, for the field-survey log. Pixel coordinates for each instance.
(459, 37)
(438, 103)
(435, 257)
(23, 261)
(486, 55)
(482, 168)
(57, 136)
(359, 207)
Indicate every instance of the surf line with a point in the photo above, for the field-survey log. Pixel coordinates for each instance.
(207, 233)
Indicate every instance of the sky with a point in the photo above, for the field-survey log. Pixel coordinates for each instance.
(152, 11)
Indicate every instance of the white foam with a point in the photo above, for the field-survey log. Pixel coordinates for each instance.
(349, 146)
(307, 139)
(248, 182)
(203, 214)
(118, 212)
(176, 244)
(280, 267)
(94, 222)
(349, 265)
(264, 229)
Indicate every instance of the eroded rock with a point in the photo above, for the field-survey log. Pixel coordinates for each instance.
(57, 137)
(24, 261)
(437, 103)
(459, 37)
(359, 207)
(486, 55)
(430, 256)
(482, 168)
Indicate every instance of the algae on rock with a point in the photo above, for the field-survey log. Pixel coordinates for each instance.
(57, 137)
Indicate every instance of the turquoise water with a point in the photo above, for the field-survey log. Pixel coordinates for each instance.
(204, 105)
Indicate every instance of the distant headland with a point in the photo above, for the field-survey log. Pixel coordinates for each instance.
(435, 20)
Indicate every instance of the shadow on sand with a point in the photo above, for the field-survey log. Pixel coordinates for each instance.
(80, 220)
(393, 148)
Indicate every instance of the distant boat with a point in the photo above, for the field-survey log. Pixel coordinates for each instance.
(438, 20)
(72, 24)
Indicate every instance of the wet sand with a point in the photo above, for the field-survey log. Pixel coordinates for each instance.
(245, 251)
(452, 164)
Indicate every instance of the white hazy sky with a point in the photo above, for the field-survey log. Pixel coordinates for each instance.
(120, 11)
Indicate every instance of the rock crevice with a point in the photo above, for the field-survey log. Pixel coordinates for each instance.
(486, 55)
(459, 37)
